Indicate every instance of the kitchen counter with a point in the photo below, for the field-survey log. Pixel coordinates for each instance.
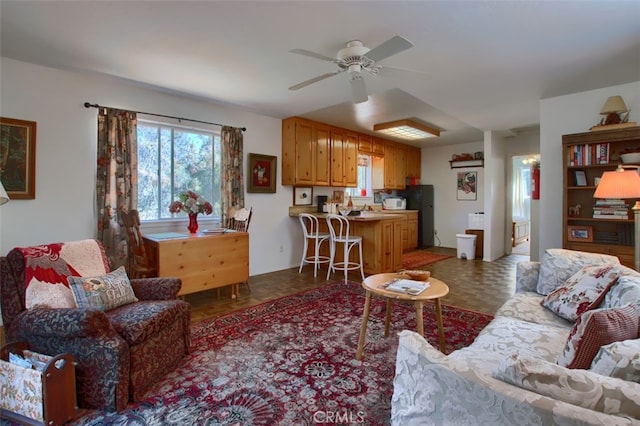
(365, 216)
(381, 240)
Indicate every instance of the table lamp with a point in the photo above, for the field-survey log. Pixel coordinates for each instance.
(624, 184)
(4, 198)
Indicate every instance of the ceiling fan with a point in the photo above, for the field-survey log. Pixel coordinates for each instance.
(356, 58)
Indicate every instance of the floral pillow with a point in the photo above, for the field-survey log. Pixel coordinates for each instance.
(577, 387)
(626, 290)
(619, 359)
(103, 292)
(558, 265)
(582, 292)
(596, 328)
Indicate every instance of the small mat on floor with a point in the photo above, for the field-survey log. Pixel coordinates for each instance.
(419, 258)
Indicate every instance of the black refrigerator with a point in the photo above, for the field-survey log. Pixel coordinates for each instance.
(420, 197)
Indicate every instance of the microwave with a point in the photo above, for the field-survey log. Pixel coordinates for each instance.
(394, 204)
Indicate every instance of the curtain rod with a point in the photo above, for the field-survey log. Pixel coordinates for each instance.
(89, 105)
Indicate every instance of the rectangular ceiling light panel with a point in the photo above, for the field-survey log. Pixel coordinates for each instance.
(406, 129)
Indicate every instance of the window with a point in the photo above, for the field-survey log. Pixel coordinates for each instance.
(173, 159)
(364, 188)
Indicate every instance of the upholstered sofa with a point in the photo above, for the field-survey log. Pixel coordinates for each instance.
(516, 372)
(120, 351)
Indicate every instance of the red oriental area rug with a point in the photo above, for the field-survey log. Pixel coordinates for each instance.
(290, 362)
(419, 258)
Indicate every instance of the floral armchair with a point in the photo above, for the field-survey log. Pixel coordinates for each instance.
(121, 351)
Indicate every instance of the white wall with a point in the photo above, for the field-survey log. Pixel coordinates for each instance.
(450, 213)
(495, 222)
(66, 157)
(574, 113)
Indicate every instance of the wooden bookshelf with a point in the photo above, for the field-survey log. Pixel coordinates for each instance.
(586, 156)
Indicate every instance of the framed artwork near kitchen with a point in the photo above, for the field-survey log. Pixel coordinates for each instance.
(466, 186)
(302, 196)
(262, 173)
(18, 158)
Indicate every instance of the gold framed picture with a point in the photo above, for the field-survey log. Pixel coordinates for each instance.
(18, 158)
(262, 173)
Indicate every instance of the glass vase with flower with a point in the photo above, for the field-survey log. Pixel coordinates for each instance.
(192, 204)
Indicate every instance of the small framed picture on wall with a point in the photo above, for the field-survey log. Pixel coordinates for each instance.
(467, 187)
(302, 196)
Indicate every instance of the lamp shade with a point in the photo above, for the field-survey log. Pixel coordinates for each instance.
(4, 198)
(619, 184)
(613, 104)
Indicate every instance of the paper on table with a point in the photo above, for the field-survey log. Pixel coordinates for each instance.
(407, 286)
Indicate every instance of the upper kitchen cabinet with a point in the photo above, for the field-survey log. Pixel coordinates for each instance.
(369, 145)
(413, 162)
(395, 167)
(305, 152)
(344, 158)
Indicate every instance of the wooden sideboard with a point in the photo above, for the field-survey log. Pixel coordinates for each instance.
(202, 261)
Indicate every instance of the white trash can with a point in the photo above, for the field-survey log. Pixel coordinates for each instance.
(466, 246)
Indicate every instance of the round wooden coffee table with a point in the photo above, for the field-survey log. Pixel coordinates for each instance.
(374, 285)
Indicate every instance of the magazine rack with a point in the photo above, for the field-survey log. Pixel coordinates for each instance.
(32, 396)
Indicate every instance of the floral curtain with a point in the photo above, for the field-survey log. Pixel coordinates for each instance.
(232, 180)
(116, 182)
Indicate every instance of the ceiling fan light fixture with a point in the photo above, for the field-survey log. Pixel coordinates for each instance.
(406, 129)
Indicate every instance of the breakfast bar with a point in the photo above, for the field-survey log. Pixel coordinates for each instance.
(381, 240)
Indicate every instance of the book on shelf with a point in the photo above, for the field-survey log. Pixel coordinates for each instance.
(610, 202)
(588, 154)
(610, 216)
(406, 286)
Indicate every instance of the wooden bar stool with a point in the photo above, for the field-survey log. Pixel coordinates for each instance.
(339, 229)
(310, 228)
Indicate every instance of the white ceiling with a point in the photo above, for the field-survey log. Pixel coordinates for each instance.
(481, 65)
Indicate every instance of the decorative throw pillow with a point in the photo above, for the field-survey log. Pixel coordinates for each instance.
(619, 359)
(596, 328)
(103, 292)
(625, 291)
(577, 387)
(582, 292)
(558, 265)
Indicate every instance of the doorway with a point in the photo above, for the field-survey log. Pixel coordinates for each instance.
(520, 225)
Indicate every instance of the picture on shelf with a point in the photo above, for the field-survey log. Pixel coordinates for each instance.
(580, 233)
(581, 178)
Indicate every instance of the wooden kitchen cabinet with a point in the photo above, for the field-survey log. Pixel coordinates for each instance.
(412, 231)
(344, 158)
(414, 160)
(369, 145)
(305, 152)
(316, 154)
(394, 165)
(365, 144)
(381, 243)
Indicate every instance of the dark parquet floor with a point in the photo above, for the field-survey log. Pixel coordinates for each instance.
(473, 284)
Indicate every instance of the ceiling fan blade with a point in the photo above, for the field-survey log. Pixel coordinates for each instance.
(312, 54)
(358, 88)
(389, 48)
(315, 79)
(395, 70)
